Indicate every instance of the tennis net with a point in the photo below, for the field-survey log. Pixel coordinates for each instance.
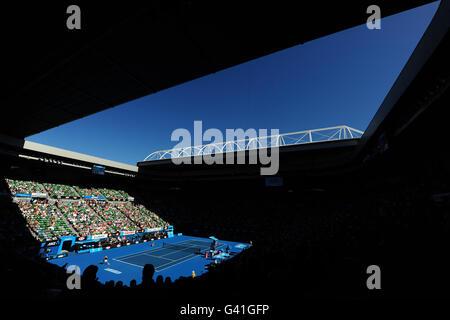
(186, 248)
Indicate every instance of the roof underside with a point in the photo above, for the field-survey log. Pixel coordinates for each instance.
(121, 53)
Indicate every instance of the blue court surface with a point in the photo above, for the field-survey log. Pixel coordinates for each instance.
(179, 256)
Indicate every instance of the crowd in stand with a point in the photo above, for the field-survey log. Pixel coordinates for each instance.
(86, 217)
(43, 219)
(88, 191)
(114, 218)
(59, 190)
(141, 216)
(26, 187)
(112, 194)
(83, 218)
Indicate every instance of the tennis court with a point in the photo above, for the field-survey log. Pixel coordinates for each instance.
(179, 257)
(168, 255)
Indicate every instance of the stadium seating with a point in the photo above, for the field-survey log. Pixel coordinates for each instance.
(112, 194)
(113, 217)
(43, 219)
(25, 187)
(92, 192)
(85, 217)
(141, 216)
(59, 190)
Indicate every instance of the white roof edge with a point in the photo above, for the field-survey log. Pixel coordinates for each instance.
(34, 146)
(38, 147)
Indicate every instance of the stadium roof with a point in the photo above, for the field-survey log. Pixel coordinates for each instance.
(35, 151)
(257, 142)
(422, 81)
(121, 53)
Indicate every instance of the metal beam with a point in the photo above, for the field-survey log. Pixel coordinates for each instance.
(280, 140)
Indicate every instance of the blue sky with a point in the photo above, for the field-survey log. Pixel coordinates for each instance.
(340, 79)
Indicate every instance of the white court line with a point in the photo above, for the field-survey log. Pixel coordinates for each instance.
(139, 253)
(171, 252)
(157, 268)
(157, 257)
(150, 255)
(154, 250)
(172, 261)
(130, 263)
(223, 244)
(113, 271)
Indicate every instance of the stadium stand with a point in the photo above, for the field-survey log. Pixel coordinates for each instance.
(43, 219)
(114, 195)
(113, 217)
(59, 190)
(141, 216)
(83, 218)
(80, 217)
(90, 192)
(24, 187)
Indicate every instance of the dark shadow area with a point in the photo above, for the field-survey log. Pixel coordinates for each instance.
(312, 238)
(315, 235)
(23, 274)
